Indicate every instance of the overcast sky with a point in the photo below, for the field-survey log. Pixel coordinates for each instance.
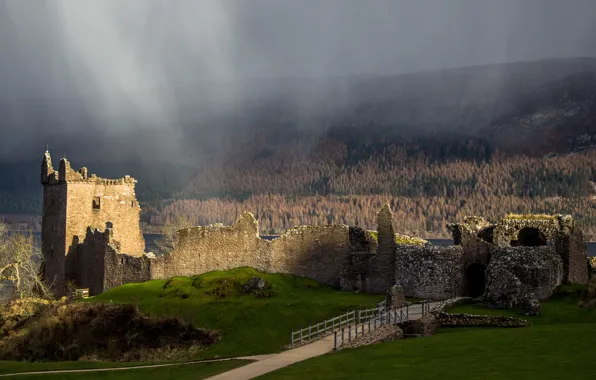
(109, 56)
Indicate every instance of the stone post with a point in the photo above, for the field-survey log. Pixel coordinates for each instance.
(395, 298)
(383, 264)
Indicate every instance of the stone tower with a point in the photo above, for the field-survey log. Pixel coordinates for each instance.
(74, 201)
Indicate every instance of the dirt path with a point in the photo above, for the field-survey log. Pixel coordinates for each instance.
(286, 358)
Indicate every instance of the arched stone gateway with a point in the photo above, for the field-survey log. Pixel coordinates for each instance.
(475, 280)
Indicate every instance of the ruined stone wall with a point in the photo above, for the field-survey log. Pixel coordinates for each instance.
(559, 231)
(96, 263)
(207, 248)
(514, 273)
(122, 269)
(315, 252)
(572, 247)
(355, 275)
(85, 262)
(507, 231)
(434, 272)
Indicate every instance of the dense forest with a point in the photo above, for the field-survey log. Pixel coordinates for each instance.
(424, 192)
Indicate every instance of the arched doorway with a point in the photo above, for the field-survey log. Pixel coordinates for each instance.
(475, 280)
(529, 237)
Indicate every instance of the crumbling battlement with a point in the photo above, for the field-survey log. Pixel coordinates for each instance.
(67, 174)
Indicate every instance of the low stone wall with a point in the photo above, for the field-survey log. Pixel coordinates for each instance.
(430, 272)
(462, 320)
(425, 326)
(124, 269)
(447, 304)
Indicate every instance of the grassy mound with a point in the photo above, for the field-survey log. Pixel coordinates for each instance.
(250, 322)
(102, 332)
(559, 345)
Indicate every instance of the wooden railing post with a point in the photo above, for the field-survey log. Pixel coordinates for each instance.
(335, 340)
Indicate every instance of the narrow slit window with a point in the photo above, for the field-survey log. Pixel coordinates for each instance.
(96, 203)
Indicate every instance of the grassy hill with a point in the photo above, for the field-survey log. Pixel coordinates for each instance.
(251, 324)
(559, 345)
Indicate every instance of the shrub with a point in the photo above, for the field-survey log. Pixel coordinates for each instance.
(103, 331)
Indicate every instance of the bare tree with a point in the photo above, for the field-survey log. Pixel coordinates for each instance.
(20, 263)
(167, 242)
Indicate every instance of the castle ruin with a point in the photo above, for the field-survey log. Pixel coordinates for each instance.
(75, 202)
(91, 237)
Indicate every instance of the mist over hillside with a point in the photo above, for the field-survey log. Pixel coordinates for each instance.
(441, 107)
(415, 136)
(477, 101)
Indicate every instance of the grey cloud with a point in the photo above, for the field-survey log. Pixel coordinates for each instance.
(116, 68)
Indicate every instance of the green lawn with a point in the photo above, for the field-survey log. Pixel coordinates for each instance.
(249, 325)
(559, 345)
(178, 372)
